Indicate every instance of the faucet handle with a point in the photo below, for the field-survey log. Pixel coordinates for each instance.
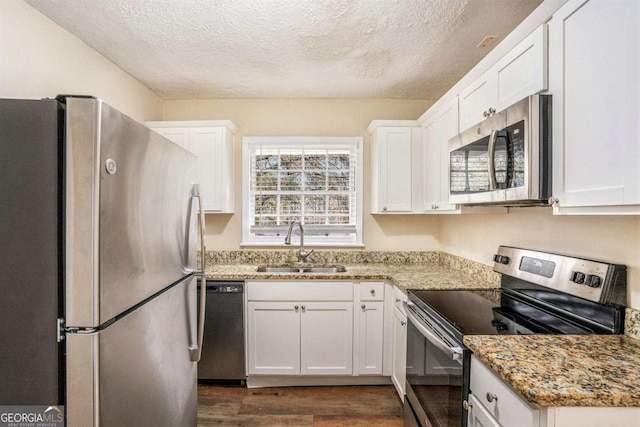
(304, 255)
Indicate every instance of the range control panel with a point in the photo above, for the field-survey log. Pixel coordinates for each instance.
(593, 280)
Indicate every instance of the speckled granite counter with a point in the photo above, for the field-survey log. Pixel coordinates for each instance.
(566, 370)
(431, 275)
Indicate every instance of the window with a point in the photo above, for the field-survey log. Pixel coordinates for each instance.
(315, 180)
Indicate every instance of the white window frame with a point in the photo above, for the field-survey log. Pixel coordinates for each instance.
(249, 142)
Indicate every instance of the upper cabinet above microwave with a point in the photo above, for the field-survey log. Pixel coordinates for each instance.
(594, 76)
(518, 74)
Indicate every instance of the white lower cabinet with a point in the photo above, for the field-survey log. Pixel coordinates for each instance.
(273, 337)
(326, 338)
(399, 370)
(493, 403)
(370, 337)
(399, 342)
(292, 338)
(478, 415)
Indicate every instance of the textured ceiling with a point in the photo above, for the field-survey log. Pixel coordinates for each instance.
(184, 49)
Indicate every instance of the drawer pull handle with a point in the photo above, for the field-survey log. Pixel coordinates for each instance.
(491, 397)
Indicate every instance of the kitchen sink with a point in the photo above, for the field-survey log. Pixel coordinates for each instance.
(292, 269)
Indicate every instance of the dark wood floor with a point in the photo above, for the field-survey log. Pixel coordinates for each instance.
(351, 406)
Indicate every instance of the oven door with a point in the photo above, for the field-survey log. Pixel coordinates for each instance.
(435, 381)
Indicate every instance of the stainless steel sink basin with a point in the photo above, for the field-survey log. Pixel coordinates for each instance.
(310, 269)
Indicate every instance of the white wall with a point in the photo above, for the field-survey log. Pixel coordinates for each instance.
(40, 59)
(312, 117)
(609, 238)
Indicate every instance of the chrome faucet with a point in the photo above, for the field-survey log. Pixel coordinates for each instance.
(302, 254)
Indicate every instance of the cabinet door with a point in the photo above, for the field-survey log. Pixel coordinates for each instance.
(370, 337)
(394, 144)
(447, 129)
(476, 99)
(431, 166)
(436, 135)
(478, 416)
(399, 371)
(522, 71)
(178, 136)
(326, 338)
(273, 338)
(208, 144)
(594, 64)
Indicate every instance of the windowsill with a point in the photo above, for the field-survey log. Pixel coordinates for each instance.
(307, 245)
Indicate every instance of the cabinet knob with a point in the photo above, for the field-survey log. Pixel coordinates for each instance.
(492, 111)
(491, 397)
(304, 308)
(384, 208)
(402, 323)
(397, 299)
(485, 114)
(373, 291)
(363, 306)
(466, 405)
(436, 207)
(552, 200)
(295, 307)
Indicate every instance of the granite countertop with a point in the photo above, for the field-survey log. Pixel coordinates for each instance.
(565, 370)
(408, 276)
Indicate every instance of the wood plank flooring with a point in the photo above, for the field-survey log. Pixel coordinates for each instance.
(350, 406)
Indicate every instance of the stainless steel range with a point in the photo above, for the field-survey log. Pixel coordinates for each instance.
(540, 293)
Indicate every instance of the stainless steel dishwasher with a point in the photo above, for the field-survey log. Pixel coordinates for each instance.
(223, 347)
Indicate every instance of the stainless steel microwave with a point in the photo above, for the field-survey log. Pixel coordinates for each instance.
(506, 159)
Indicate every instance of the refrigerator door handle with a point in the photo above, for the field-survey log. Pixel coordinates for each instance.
(196, 352)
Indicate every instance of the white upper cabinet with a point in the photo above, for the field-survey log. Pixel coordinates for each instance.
(394, 145)
(594, 76)
(436, 134)
(518, 74)
(213, 142)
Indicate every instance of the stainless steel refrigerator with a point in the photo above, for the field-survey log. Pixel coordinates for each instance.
(98, 223)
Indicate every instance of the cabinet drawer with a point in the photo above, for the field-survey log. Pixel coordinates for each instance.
(371, 291)
(509, 409)
(315, 290)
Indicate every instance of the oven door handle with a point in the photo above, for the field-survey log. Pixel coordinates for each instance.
(454, 352)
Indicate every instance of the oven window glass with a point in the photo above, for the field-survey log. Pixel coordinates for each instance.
(469, 168)
(436, 380)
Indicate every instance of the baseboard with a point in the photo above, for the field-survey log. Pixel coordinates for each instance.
(258, 381)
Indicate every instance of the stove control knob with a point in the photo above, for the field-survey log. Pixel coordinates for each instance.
(577, 277)
(499, 325)
(593, 281)
(501, 259)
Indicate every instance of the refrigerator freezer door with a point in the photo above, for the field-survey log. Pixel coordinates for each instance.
(127, 231)
(137, 371)
(29, 249)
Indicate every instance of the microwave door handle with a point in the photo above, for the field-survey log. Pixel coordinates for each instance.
(493, 181)
(454, 352)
